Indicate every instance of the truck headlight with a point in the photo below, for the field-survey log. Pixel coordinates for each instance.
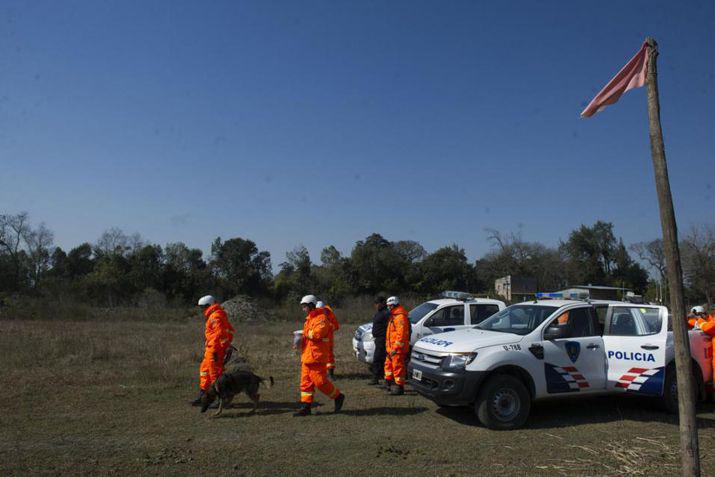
(458, 361)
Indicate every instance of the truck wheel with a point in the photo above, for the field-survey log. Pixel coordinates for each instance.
(503, 403)
(670, 391)
(670, 388)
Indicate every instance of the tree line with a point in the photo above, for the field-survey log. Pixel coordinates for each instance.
(122, 269)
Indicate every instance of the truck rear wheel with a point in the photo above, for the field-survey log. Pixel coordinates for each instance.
(670, 391)
(503, 403)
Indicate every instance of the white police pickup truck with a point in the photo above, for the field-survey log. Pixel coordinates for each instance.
(554, 348)
(432, 317)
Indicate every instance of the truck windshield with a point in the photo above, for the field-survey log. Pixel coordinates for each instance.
(517, 319)
(418, 313)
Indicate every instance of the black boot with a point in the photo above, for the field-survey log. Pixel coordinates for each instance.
(387, 386)
(197, 401)
(397, 391)
(303, 411)
(339, 402)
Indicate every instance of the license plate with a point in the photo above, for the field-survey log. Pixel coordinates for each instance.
(416, 374)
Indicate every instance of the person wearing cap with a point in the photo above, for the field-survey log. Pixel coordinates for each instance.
(218, 334)
(397, 346)
(315, 352)
(379, 330)
(335, 327)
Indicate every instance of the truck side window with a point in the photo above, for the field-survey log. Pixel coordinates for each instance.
(580, 321)
(624, 322)
(480, 313)
(449, 316)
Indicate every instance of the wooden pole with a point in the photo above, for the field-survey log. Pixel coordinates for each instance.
(686, 389)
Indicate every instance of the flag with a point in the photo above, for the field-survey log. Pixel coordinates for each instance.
(631, 76)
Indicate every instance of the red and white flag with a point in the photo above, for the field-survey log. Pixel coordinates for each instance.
(631, 76)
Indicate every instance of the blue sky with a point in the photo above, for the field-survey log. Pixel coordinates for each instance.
(322, 122)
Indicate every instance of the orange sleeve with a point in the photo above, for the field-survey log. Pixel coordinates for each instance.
(333, 320)
(708, 327)
(691, 322)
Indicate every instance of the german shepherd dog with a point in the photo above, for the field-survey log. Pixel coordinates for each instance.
(229, 384)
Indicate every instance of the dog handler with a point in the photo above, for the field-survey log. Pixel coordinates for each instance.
(397, 346)
(219, 335)
(315, 347)
(335, 327)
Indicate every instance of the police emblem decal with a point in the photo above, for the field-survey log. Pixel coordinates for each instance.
(573, 349)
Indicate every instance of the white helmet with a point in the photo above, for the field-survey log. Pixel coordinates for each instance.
(207, 300)
(320, 304)
(308, 300)
(696, 310)
(393, 301)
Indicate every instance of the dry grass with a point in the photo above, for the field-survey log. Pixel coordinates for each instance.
(110, 398)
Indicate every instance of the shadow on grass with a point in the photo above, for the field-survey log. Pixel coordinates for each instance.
(385, 411)
(568, 413)
(265, 408)
(352, 376)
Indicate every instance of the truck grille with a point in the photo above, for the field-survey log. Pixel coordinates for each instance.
(426, 358)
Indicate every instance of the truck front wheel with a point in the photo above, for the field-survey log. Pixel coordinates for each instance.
(503, 403)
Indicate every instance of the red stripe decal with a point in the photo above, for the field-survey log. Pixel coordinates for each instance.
(583, 385)
(570, 369)
(622, 385)
(628, 377)
(579, 377)
(638, 370)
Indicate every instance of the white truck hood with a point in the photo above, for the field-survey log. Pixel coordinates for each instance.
(465, 341)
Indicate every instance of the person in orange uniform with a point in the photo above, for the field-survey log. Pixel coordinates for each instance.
(705, 323)
(335, 327)
(315, 352)
(397, 344)
(698, 314)
(218, 334)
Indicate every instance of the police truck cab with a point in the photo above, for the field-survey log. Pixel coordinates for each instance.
(553, 348)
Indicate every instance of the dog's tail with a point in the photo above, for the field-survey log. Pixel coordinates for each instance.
(270, 382)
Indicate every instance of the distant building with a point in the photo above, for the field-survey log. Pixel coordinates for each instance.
(599, 292)
(513, 288)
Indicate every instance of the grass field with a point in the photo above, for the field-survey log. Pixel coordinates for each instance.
(111, 398)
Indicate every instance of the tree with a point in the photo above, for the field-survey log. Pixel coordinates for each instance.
(377, 266)
(13, 229)
(446, 269)
(511, 255)
(38, 242)
(240, 267)
(590, 251)
(699, 261)
(186, 274)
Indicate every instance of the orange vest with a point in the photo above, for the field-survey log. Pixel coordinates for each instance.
(316, 338)
(398, 331)
(218, 332)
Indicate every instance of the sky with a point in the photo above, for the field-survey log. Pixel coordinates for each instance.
(319, 123)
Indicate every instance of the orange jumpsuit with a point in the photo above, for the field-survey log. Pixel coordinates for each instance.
(219, 335)
(397, 345)
(314, 357)
(335, 327)
(707, 326)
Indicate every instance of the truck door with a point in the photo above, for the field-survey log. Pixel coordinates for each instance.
(574, 360)
(449, 318)
(635, 340)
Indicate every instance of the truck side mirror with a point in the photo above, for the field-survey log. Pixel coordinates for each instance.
(557, 331)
